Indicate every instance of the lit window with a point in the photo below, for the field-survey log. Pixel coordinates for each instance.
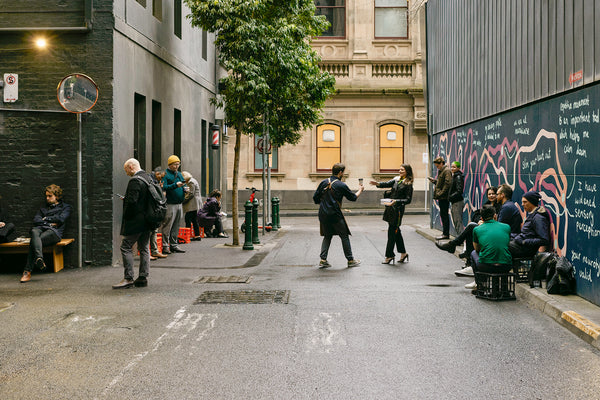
(258, 155)
(328, 146)
(391, 19)
(391, 147)
(335, 12)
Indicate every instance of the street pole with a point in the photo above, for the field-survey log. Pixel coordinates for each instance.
(79, 196)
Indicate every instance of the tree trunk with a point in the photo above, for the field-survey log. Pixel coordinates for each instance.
(234, 187)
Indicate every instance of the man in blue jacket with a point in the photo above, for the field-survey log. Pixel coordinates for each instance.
(48, 228)
(173, 185)
(535, 232)
(329, 195)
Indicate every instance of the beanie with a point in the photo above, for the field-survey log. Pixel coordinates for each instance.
(173, 159)
(533, 197)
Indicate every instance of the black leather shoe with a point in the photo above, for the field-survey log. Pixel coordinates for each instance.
(177, 250)
(448, 246)
(141, 281)
(464, 254)
(443, 237)
(40, 264)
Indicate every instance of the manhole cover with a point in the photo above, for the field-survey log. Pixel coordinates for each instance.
(244, 297)
(223, 279)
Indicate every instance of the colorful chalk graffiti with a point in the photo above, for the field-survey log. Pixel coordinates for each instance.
(552, 147)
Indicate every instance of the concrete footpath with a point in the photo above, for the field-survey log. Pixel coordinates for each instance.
(573, 312)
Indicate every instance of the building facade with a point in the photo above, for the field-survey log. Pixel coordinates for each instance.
(376, 120)
(513, 95)
(155, 75)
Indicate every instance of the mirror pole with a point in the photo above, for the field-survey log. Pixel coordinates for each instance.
(79, 196)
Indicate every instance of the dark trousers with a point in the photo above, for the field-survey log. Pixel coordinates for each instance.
(345, 245)
(520, 251)
(394, 237)
(39, 239)
(444, 206)
(478, 266)
(191, 220)
(466, 237)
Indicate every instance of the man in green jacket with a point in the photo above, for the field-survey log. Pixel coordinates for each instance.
(174, 187)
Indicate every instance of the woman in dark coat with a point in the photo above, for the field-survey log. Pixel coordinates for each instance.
(400, 196)
(210, 215)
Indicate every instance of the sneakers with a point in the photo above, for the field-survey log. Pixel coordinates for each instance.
(353, 263)
(39, 262)
(141, 281)
(467, 271)
(448, 246)
(471, 286)
(124, 284)
(26, 277)
(324, 264)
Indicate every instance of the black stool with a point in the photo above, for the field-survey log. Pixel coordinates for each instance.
(495, 286)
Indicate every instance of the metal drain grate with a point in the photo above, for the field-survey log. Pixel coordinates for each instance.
(244, 297)
(223, 279)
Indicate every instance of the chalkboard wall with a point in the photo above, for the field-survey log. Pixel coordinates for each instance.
(551, 146)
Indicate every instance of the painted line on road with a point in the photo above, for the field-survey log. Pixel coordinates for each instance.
(582, 323)
(182, 322)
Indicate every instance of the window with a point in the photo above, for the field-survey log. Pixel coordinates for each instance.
(177, 131)
(156, 134)
(177, 16)
(157, 9)
(391, 19)
(139, 129)
(142, 2)
(204, 45)
(391, 147)
(258, 156)
(328, 146)
(335, 12)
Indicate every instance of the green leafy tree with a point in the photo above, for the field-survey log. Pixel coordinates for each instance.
(273, 73)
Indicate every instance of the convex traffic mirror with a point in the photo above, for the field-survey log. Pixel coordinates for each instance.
(77, 93)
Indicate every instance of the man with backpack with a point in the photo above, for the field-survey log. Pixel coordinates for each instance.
(135, 225)
(329, 195)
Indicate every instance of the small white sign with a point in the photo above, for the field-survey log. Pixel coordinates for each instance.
(425, 158)
(11, 88)
(328, 136)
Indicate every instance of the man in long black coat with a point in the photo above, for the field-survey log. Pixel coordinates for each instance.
(329, 196)
(134, 228)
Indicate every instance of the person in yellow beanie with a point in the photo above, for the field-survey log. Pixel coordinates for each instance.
(174, 186)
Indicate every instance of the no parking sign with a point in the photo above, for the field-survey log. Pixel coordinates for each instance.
(11, 88)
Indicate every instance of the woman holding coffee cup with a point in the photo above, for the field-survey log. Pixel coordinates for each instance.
(400, 195)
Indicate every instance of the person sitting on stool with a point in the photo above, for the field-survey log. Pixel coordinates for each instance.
(490, 240)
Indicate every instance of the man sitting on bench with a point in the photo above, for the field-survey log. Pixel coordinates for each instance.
(535, 231)
(490, 240)
(48, 228)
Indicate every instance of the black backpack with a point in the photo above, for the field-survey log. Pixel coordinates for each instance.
(156, 208)
(542, 265)
(562, 279)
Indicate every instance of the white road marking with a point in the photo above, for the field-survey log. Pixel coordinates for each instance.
(326, 333)
(182, 325)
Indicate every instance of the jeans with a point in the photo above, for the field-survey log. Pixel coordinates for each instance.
(394, 238)
(142, 239)
(457, 216)
(39, 239)
(345, 245)
(170, 229)
(444, 205)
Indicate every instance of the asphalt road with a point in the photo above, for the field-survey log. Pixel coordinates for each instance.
(404, 331)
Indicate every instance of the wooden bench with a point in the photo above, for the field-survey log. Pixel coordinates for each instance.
(23, 247)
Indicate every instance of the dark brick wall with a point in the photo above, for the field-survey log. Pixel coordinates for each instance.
(40, 148)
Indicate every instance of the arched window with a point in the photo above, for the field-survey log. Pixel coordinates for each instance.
(328, 146)
(391, 147)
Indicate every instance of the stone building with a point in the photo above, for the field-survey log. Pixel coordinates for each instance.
(375, 122)
(155, 75)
